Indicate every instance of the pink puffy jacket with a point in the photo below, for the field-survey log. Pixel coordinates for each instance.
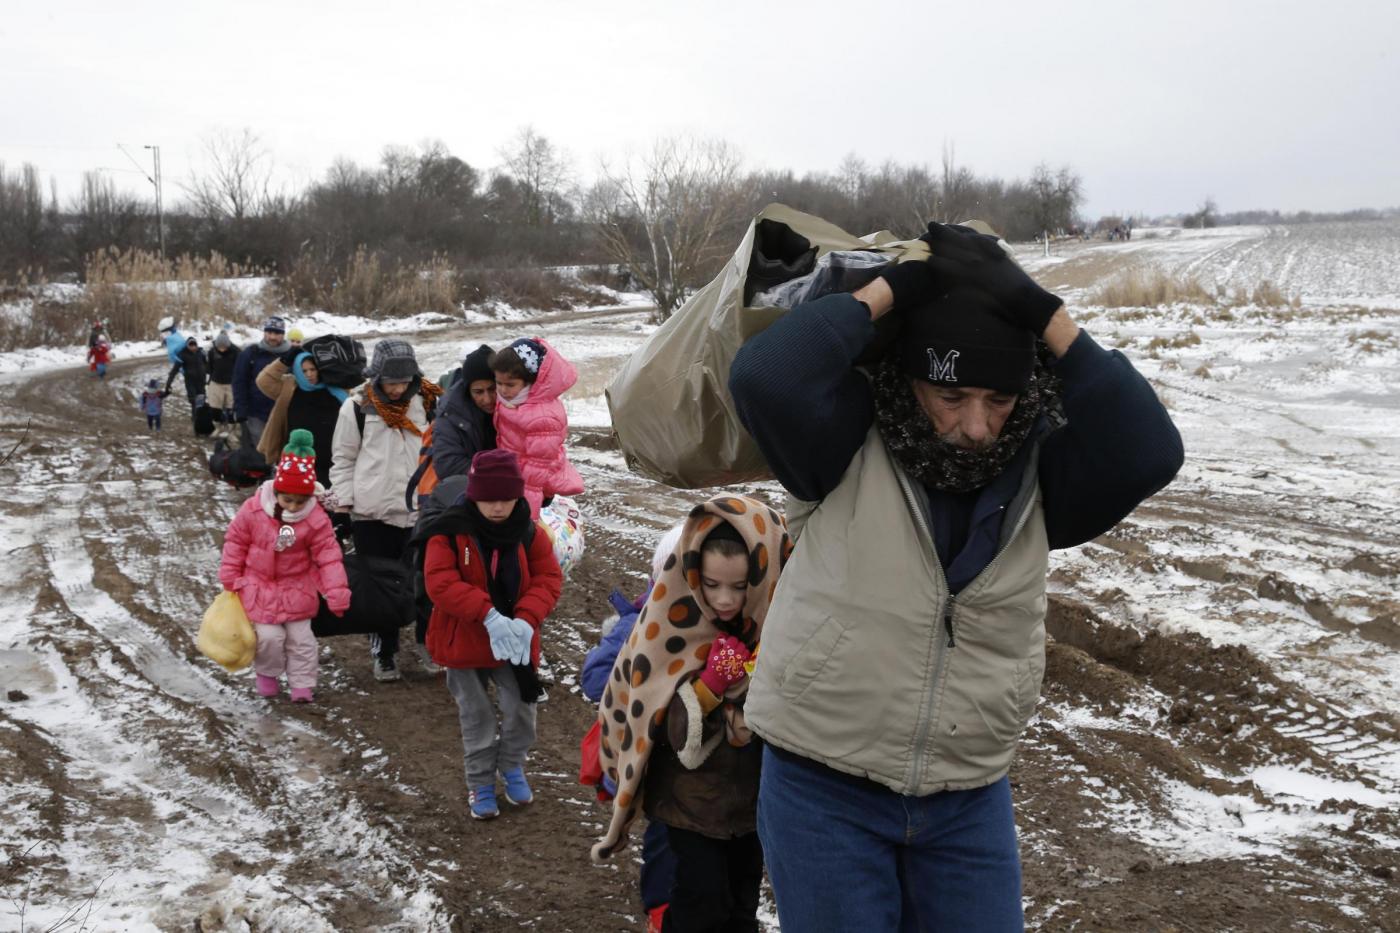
(281, 586)
(535, 432)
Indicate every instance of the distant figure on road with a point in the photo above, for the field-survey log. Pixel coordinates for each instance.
(99, 355)
(250, 405)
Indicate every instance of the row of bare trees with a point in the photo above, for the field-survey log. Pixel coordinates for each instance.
(668, 215)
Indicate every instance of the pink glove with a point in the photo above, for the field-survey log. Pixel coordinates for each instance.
(337, 601)
(726, 664)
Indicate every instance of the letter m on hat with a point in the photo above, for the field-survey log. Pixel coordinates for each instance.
(943, 370)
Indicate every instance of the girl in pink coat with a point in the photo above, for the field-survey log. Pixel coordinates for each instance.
(279, 552)
(530, 420)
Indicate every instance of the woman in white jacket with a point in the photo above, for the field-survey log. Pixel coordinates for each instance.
(378, 438)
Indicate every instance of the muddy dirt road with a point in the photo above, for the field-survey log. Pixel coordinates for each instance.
(1156, 790)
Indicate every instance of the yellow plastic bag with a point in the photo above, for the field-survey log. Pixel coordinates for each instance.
(226, 635)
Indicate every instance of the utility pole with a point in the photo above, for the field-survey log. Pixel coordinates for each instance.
(155, 183)
(160, 211)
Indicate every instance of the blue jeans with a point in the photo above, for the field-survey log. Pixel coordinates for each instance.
(845, 853)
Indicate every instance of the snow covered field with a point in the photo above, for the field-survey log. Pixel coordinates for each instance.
(1217, 745)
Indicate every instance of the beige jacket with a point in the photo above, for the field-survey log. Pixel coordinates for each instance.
(858, 670)
(276, 382)
(369, 473)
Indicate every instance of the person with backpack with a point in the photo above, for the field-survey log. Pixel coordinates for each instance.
(464, 426)
(674, 740)
(493, 579)
(302, 400)
(223, 357)
(153, 404)
(376, 447)
(193, 365)
(530, 418)
(251, 406)
(279, 553)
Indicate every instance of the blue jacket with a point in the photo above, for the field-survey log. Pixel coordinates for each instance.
(798, 393)
(174, 343)
(461, 430)
(248, 402)
(598, 663)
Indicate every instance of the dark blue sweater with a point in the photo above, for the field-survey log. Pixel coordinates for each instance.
(798, 393)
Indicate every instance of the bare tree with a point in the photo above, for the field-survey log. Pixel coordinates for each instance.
(236, 182)
(1056, 197)
(103, 216)
(543, 173)
(958, 197)
(664, 215)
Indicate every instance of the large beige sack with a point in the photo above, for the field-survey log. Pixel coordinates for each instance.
(226, 636)
(670, 403)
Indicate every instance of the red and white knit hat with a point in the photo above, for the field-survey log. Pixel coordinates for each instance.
(296, 471)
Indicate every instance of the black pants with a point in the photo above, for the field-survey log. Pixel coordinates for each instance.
(716, 886)
(380, 539)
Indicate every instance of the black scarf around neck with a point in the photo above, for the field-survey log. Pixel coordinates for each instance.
(500, 544)
(910, 437)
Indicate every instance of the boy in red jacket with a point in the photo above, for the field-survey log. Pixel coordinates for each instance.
(493, 579)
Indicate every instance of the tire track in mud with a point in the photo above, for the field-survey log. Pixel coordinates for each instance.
(176, 786)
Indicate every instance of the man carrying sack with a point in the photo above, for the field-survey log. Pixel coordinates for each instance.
(904, 649)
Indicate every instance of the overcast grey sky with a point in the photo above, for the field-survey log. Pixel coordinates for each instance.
(1156, 105)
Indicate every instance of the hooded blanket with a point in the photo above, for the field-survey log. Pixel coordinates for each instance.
(670, 644)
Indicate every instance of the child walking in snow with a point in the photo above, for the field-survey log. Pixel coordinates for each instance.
(152, 404)
(99, 355)
(492, 577)
(658, 864)
(530, 419)
(674, 740)
(279, 552)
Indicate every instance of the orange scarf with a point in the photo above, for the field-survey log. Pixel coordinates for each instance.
(395, 414)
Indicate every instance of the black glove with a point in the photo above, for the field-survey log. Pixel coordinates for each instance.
(912, 282)
(963, 257)
(289, 356)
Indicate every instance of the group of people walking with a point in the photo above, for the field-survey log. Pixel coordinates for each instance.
(833, 694)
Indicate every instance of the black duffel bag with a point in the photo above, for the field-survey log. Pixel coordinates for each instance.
(240, 467)
(204, 420)
(381, 599)
(340, 361)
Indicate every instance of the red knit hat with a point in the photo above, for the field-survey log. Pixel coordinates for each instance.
(495, 477)
(296, 471)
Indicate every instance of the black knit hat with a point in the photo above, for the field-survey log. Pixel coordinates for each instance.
(964, 339)
(474, 366)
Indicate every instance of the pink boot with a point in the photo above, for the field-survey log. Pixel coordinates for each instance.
(301, 694)
(267, 686)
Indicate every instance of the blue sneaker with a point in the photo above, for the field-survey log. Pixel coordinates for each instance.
(483, 802)
(517, 791)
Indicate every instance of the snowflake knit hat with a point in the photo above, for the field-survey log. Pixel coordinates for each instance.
(531, 353)
(296, 471)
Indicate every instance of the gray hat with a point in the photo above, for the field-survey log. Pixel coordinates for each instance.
(275, 323)
(393, 360)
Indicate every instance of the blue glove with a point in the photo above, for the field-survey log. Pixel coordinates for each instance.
(524, 635)
(502, 635)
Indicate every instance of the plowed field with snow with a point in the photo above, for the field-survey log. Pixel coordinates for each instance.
(1217, 746)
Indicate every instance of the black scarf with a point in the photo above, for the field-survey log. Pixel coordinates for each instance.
(933, 461)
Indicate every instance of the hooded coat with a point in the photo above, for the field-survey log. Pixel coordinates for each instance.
(535, 431)
(654, 716)
(282, 586)
(460, 432)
